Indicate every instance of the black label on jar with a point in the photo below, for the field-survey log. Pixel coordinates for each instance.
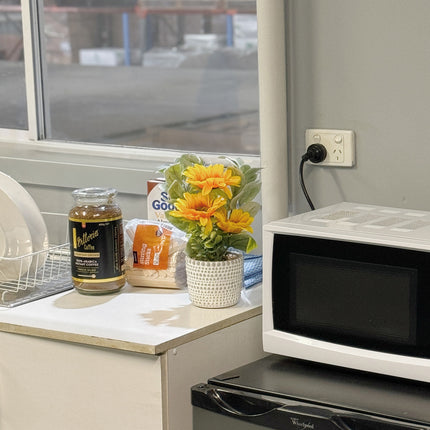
(97, 250)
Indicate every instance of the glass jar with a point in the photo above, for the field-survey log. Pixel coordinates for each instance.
(96, 241)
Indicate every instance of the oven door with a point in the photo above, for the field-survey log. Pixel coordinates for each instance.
(217, 408)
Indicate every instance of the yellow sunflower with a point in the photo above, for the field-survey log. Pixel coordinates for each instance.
(210, 177)
(198, 207)
(239, 220)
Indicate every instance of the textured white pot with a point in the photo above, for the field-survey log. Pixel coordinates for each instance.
(215, 284)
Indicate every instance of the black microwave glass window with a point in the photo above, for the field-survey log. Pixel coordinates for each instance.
(362, 299)
(350, 293)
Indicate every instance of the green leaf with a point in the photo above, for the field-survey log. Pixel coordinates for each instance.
(192, 251)
(252, 244)
(237, 172)
(173, 172)
(243, 242)
(180, 223)
(175, 190)
(189, 160)
(217, 192)
(234, 161)
(251, 174)
(248, 193)
(174, 181)
(201, 250)
(251, 207)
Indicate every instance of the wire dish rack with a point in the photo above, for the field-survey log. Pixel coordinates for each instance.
(40, 274)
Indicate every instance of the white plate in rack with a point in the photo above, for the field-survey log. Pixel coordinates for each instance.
(22, 231)
(15, 241)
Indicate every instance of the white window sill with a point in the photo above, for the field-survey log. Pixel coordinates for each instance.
(66, 164)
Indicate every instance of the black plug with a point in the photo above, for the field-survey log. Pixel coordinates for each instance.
(316, 153)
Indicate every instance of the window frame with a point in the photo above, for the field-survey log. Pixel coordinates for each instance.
(30, 159)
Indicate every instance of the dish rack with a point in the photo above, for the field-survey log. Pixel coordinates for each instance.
(49, 274)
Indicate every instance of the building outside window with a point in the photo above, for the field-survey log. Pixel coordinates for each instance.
(13, 102)
(171, 75)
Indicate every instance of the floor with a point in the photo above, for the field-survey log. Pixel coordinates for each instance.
(181, 108)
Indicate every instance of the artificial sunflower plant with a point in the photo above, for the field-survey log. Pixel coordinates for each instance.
(214, 204)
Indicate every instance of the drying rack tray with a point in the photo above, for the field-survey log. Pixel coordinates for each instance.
(48, 274)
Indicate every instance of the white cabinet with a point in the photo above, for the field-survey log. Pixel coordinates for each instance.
(74, 372)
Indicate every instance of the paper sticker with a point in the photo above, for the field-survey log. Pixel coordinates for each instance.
(151, 247)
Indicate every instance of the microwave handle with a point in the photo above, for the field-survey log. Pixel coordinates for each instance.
(279, 415)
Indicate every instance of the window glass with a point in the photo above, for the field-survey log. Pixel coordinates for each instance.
(163, 74)
(13, 108)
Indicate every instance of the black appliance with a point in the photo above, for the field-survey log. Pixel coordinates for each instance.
(289, 394)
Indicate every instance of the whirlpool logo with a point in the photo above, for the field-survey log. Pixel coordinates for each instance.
(301, 424)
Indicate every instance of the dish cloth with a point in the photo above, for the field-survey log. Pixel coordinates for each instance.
(252, 269)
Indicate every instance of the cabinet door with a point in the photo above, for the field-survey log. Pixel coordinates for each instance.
(206, 357)
(47, 384)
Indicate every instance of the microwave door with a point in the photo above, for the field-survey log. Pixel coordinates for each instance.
(229, 408)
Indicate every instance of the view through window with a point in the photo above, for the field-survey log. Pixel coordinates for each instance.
(13, 105)
(179, 75)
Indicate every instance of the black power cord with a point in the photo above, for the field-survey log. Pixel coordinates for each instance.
(315, 153)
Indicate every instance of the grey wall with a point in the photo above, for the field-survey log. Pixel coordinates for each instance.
(361, 65)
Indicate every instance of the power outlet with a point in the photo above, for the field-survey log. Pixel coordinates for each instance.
(340, 146)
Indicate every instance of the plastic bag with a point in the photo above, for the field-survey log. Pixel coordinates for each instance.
(154, 254)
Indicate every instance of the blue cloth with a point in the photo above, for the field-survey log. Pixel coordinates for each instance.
(252, 269)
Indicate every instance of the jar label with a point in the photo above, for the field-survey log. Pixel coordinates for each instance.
(97, 249)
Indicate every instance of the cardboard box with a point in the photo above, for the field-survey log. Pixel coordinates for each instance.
(166, 59)
(106, 57)
(157, 200)
(204, 41)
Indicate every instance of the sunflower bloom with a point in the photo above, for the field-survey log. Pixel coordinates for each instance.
(198, 207)
(210, 177)
(239, 220)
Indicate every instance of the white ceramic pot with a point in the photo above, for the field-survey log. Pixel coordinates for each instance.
(215, 284)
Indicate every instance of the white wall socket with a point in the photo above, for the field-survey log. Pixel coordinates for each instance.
(340, 146)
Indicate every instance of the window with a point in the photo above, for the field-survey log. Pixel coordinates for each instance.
(13, 104)
(48, 152)
(167, 75)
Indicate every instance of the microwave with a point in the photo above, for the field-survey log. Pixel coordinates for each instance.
(349, 285)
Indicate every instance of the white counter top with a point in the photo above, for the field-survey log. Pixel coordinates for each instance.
(145, 320)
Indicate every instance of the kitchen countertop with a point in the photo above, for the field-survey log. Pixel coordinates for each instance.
(145, 320)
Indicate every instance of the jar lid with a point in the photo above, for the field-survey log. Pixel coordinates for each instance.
(95, 193)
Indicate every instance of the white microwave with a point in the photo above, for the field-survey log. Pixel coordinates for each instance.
(349, 285)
